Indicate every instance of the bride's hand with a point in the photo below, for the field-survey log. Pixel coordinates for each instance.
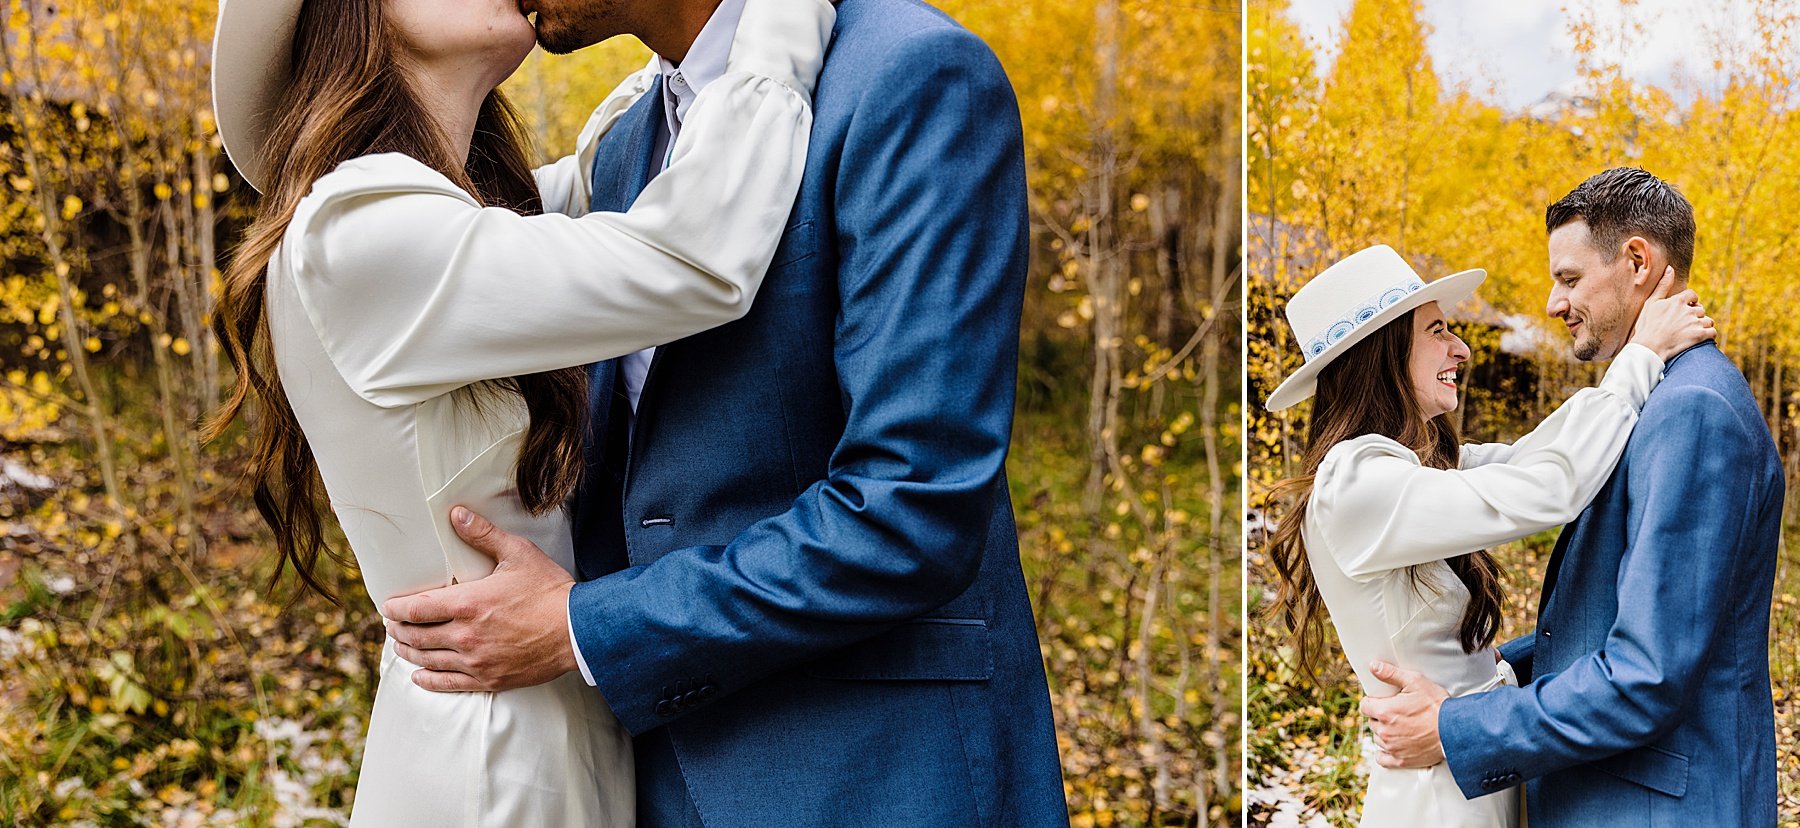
(1670, 324)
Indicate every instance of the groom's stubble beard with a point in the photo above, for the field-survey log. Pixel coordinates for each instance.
(578, 24)
(1587, 345)
(1605, 330)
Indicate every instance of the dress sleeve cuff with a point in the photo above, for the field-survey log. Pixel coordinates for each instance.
(1633, 375)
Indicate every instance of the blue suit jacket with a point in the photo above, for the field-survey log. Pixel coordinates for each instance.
(1647, 681)
(806, 600)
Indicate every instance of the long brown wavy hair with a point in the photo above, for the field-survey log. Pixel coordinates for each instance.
(1367, 391)
(351, 96)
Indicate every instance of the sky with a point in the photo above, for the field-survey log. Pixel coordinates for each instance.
(1522, 47)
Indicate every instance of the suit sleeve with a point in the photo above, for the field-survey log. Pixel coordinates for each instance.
(1686, 513)
(931, 218)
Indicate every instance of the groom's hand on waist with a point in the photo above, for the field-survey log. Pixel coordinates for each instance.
(1406, 723)
(504, 631)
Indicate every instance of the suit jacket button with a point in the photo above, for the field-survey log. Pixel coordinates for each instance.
(664, 708)
(708, 691)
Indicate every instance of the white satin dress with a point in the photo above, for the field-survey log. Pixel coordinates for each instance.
(394, 291)
(1377, 515)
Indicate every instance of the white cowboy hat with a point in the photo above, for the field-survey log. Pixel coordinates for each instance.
(1352, 299)
(253, 48)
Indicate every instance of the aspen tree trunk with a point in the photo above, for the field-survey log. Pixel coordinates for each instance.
(206, 347)
(178, 428)
(1224, 241)
(175, 213)
(1149, 728)
(1103, 264)
(1165, 215)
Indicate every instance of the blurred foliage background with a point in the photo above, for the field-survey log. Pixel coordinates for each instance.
(152, 679)
(1376, 148)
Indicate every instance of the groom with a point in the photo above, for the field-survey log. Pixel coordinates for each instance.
(1646, 697)
(802, 590)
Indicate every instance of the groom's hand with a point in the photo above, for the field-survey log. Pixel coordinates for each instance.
(1406, 723)
(508, 630)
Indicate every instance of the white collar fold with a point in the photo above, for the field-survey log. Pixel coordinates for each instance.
(705, 62)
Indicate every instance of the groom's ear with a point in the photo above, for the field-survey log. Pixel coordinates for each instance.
(1644, 258)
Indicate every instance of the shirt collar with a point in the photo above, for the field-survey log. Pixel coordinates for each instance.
(705, 61)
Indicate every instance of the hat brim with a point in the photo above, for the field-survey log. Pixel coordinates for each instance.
(253, 46)
(1447, 291)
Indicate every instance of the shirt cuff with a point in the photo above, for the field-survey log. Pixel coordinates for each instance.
(579, 661)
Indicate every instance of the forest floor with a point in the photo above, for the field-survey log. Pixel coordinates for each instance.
(150, 684)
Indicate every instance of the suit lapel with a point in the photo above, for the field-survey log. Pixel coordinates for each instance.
(615, 189)
(623, 162)
(1555, 565)
(621, 171)
(622, 168)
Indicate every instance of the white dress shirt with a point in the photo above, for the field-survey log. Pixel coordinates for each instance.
(705, 63)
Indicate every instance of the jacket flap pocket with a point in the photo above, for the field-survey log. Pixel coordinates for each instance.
(1663, 771)
(926, 649)
(798, 243)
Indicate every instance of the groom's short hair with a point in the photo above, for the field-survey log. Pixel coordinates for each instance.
(1624, 202)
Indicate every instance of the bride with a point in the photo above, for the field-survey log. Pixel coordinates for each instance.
(407, 324)
(1387, 529)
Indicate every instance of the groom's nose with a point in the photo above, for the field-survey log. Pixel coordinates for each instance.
(1558, 306)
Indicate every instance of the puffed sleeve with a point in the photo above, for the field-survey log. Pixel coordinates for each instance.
(1481, 454)
(1377, 509)
(565, 184)
(416, 290)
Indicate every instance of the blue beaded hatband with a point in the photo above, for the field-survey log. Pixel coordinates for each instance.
(1365, 311)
